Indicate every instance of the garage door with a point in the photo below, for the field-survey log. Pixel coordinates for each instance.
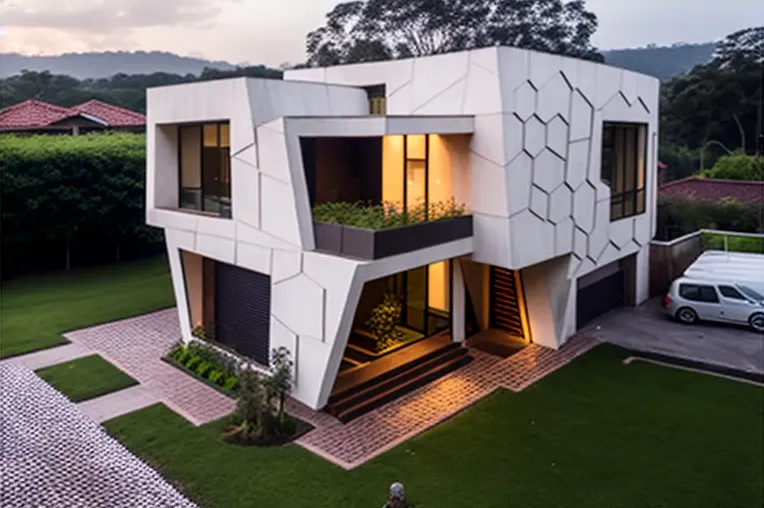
(599, 297)
(242, 311)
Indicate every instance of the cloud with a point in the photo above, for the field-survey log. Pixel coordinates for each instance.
(109, 16)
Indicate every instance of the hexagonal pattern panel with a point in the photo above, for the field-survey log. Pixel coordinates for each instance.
(519, 180)
(539, 202)
(583, 209)
(579, 243)
(525, 100)
(553, 98)
(535, 136)
(580, 117)
(563, 237)
(560, 204)
(548, 171)
(557, 136)
(578, 161)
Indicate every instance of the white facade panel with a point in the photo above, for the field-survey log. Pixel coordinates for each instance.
(534, 183)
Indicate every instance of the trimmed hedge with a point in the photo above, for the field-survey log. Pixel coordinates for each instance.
(681, 216)
(73, 200)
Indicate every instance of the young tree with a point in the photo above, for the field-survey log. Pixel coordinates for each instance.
(372, 30)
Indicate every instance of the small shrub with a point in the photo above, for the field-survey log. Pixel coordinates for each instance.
(260, 415)
(204, 368)
(192, 362)
(177, 351)
(387, 215)
(199, 332)
(217, 377)
(231, 383)
(384, 320)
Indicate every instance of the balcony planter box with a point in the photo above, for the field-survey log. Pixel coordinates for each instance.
(377, 244)
(328, 237)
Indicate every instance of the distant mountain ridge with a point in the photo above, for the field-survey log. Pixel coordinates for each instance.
(108, 63)
(660, 61)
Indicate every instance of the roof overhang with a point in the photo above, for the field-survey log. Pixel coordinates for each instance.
(372, 126)
(85, 116)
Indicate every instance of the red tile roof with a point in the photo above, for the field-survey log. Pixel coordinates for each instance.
(33, 113)
(709, 189)
(113, 115)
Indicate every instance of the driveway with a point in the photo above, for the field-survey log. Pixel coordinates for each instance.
(52, 455)
(647, 328)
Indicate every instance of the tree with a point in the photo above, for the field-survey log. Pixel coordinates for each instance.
(372, 30)
(746, 45)
(737, 166)
(717, 102)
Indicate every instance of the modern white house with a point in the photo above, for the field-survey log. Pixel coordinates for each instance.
(552, 159)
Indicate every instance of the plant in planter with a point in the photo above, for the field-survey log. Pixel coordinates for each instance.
(260, 417)
(199, 332)
(384, 320)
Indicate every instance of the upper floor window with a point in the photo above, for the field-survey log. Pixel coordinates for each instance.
(624, 160)
(204, 165)
(377, 100)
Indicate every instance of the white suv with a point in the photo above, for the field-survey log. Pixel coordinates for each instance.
(690, 299)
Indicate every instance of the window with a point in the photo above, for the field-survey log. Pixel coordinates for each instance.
(377, 100)
(204, 157)
(751, 293)
(698, 293)
(624, 156)
(730, 292)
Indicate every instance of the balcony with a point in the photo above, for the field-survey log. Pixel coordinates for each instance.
(375, 232)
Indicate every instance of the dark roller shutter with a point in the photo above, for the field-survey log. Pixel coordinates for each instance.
(242, 311)
(599, 298)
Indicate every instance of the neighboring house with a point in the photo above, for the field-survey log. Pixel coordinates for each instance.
(35, 117)
(711, 189)
(555, 159)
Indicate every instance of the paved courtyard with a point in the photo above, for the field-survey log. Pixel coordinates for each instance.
(53, 455)
(647, 328)
(136, 345)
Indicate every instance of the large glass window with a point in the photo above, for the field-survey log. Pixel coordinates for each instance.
(204, 156)
(624, 155)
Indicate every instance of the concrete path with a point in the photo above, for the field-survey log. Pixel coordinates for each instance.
(51, 454)
(52, 356)
(118, 403)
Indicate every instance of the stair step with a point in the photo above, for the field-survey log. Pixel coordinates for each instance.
(391, 373)
(382, 385)
(402, 389)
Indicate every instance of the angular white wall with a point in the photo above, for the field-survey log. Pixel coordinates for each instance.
(537, 192)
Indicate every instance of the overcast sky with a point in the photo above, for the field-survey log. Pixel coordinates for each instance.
(273, 31)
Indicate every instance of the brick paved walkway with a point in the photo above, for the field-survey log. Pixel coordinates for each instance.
(360, 440)
(136, 346)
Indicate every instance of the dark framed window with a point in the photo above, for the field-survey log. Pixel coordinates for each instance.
(204, 168)
(731, 292)
(624, 163)
(377, 99)
(698, 293)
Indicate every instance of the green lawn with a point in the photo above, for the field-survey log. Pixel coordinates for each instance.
(597, 433)
(86, 378)
(35, 311)
(734, 243)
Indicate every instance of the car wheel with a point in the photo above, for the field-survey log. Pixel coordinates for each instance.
(686, 315)
(757, 322)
